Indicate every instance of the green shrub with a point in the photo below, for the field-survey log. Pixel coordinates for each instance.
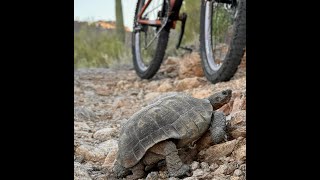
(98, 48)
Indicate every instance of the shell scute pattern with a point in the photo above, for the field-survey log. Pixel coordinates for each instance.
(177, 116)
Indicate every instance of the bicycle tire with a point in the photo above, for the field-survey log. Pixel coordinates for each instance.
(155, 63)
(236, 47)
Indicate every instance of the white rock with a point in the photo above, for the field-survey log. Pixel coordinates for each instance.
(152, 176)
(213, 166)
(237, 172)
(221, 169)
(104, 134)
(205, 166)
(194, 165)
(198, 173)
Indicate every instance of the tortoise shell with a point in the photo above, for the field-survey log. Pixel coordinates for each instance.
(176, 116)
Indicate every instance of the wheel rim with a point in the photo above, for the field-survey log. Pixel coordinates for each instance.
(144, 35)
(219, 19)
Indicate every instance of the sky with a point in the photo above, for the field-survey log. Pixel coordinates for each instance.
(88, 10)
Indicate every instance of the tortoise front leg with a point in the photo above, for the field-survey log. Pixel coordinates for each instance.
(151, 159)
(218, 127)
(174, 164)
(137, 172)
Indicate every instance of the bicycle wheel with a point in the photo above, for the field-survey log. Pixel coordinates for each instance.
(222, 37)
(149, 42)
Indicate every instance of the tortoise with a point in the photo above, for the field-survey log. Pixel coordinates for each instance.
(156, 132)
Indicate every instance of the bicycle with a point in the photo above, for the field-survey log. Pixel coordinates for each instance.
(222, 35)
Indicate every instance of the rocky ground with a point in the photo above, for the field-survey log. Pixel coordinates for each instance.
(106, 98)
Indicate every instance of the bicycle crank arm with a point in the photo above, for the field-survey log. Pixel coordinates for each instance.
(183, 19)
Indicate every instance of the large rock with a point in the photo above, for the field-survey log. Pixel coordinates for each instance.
(105, 134)
(238, 118)
(226, 109)
(238, 132)
(110, 159)
(239, 102)
(110, 148)
(216, 151)
(187, 83)
(190, 66)
(240, 153)
(90, 153)
(237, 124)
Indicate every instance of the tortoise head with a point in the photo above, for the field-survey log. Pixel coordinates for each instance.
(217, 100)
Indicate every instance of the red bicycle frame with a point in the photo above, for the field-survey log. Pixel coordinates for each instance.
(175, 6)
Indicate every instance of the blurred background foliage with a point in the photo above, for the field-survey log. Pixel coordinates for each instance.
(95, 46)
